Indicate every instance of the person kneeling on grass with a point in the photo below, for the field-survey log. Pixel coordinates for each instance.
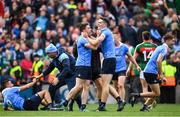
(13, 100)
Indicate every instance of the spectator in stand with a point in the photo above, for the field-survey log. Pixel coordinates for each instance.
(26, 65)
(16, 72)
(36, 49)
(29, 15)
(19, 53)
(168, 18)
(128, 33)
(101, 7)
(42, 20)
(114, 9)
(2, 7)
(157, 31)
(176, 62)
(37, 38)
(37, 69)
(52, 23)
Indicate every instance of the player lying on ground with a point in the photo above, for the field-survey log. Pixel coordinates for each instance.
(13, 100)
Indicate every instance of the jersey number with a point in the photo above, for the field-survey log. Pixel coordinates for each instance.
(147, 56)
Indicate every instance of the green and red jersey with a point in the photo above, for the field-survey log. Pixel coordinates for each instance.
(144, 51)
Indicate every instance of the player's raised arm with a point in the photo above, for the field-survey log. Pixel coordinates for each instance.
(22, 88)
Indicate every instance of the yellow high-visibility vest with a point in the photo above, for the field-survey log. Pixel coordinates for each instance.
(36, 66)
(72, 6)
(52, 75)
(169, 72)
(14, 69)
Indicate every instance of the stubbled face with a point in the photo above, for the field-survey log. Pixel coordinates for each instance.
(52, 55)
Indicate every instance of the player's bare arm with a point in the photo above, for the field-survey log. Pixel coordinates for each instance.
(159, 65)
(22, 88)
(96, 42)
(133, 61)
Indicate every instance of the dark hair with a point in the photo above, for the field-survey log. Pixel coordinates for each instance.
(12, 61)
(146, 35)
(83, 26)
(105, 20)
(168, 36)
(3, 83)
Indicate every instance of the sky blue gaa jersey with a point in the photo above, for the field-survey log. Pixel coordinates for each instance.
(151, 66)
(12, 98)
(84, 53)
(120, 53)
(107, 46)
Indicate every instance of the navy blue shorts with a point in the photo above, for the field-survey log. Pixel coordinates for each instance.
(96, 74)
(109, 66)
(84, 72)
(32, 103)
(151, 78)
(117, 74)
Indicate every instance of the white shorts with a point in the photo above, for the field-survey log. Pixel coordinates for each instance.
(142, 75)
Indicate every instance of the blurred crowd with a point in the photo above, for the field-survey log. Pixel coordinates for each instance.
(28, 26)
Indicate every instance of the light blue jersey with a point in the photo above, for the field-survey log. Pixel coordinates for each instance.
(108, 47)
(84, 53)
(121, 52)
(12, 98)
(151, 66)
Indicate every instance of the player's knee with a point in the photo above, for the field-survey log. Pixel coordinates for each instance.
(157, 94)
(44, 91)
(144, 85)
(86, 87)
(120, 86)
(99, 85)
(79, 87)
(105, 85)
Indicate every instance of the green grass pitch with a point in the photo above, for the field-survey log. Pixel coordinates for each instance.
(161, 110)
